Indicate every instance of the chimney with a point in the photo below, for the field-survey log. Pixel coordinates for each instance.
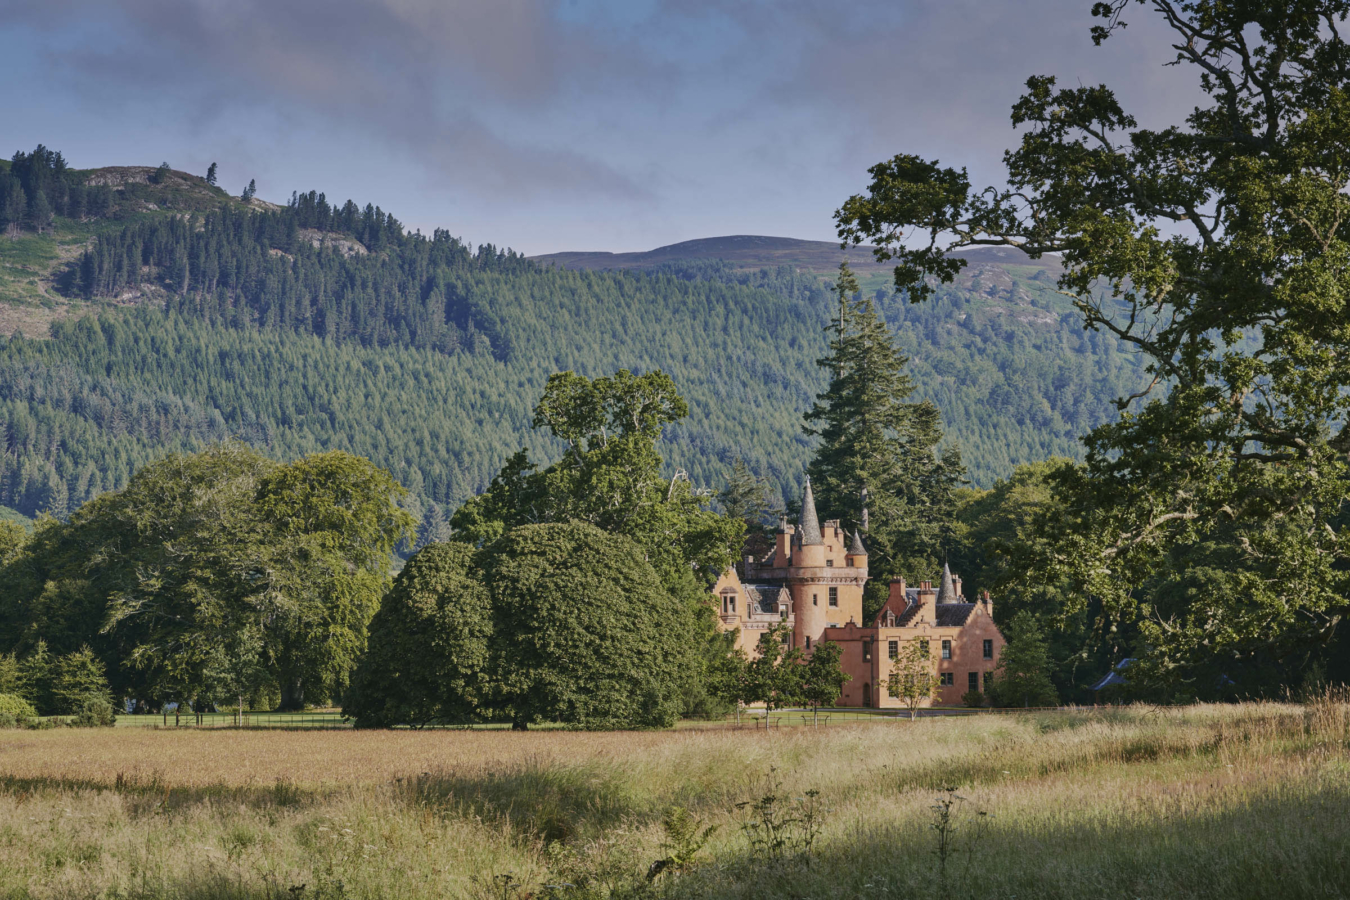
(783, 544)
(927, 596)
(897, 597)
(956, 583)
(987, 603)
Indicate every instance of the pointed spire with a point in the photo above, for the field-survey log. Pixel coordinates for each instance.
(856, 548)
(808, 528)
(947, 593)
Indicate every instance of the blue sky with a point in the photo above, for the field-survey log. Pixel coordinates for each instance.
(547, 126)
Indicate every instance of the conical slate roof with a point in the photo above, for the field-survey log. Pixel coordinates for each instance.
(947, 593)
(808, 529)
(856, 548)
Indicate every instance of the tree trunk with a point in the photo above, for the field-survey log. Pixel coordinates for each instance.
(519, 724)
(292, 695)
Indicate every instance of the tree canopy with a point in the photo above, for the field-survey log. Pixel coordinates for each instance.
(207, 560)
(429, 641)
(584, 631)
(1209, 513)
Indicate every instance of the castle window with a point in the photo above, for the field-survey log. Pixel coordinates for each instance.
(946, 649)
(923, 646)
(834, 596)
(973, 681)
(729, 604)
(808, 642)
(947, 678)
(783, 611)
(988, 649)
(867, 651)
(893, 648)
(815, 599)
(829, 564)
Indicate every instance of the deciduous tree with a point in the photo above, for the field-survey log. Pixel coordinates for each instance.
(1023, 674)
(1215, 248)
(913, 679)
(427, 659)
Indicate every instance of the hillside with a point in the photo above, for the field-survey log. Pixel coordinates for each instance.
(746, 252)
(311, 325)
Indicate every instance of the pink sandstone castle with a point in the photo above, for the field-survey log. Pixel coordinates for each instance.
(813, 581)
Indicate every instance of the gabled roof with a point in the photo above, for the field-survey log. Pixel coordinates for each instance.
(765, 599)
(905, 610)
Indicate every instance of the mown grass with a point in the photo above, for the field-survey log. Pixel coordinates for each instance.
(1210, 801)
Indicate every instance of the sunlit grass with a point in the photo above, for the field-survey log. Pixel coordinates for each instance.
(1211, 801)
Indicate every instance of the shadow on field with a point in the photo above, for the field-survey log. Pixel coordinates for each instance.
(147, 795)
(1286, 847)
(554, 803)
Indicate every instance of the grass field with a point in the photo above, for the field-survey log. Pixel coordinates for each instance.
(1209, 801)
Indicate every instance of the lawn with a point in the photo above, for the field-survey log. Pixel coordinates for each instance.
(1207, 801)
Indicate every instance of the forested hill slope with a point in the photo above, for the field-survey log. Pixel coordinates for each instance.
(315, 326)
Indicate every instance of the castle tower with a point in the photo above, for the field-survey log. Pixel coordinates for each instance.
(811, 546)
(947, 593)
(857, 553)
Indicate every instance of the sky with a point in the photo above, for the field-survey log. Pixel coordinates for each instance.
(551, 125)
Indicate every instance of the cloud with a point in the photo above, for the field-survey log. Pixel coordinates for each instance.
(601, 121)
(417, 72)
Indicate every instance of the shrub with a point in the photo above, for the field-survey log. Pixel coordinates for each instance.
(77, 677)
(94, 712)
(15, 711)
(973, 699)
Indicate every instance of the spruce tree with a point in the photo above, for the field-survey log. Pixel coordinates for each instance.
(211, 175)
(877, 451)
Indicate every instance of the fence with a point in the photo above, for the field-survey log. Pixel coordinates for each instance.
(232, 719)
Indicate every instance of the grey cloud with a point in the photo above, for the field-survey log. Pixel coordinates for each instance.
(415, 71)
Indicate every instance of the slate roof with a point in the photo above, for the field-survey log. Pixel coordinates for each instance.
(856, 548)
(765, 598)
(951, 615)
(808, 528)
(947, 593)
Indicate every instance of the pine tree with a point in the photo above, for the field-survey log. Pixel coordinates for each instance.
(878, 467)
(211, 175)
(249, 191)
(41, 212)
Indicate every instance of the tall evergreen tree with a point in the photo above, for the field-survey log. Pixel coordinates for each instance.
(211, 175)
(878, 467)
(40, 212)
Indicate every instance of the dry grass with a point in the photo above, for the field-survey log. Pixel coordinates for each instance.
(1234, 801)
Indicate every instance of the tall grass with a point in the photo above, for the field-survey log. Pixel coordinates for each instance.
(1211, 801)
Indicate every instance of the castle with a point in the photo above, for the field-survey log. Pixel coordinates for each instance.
(813, 581)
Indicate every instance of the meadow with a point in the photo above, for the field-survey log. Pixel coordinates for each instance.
(1229, 801)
